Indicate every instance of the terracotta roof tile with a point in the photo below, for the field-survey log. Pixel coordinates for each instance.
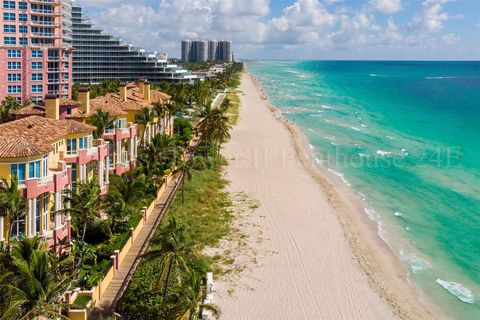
(68, 102)
(42, 131)
(31, 110)
(18, 147)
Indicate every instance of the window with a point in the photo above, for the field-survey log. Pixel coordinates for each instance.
(14, 77)
(65, 87)
(14, 54)
(18, 229)
(14, 89)
(22, 5)
(65, 76)
(8, 5)
(74, 175)
(34, 169)
(14, 65)
(37, 88)
(8, 16)
(23, 29)
(38, 212)
(9, 28)
(84, 143)
(37, 76)
(37, 66)
(37, 53)
(23, 41)
(67, 54)
(45, 201)
(18, 170)
(71, 146)
(22, 17)
(121, 123)
(9, 40)
(69, 111)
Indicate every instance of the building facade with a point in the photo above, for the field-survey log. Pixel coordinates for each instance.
(201, 51)
(34, 59)
(49, 155)
(100, 56)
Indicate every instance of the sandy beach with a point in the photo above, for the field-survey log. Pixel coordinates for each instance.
(310, 251)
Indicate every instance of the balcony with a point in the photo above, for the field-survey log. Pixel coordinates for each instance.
(121, 133)
(52, 2)
(44, 24)
(47, 35)
(95, 153)
(40, 12)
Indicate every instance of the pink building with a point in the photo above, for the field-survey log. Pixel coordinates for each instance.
(35, 59)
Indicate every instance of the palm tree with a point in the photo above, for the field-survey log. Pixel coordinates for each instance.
(83, 205)
(173, 254)
(189, 299)
(125, 196)
(159, 110)
(34, 282)
(12, 202)
(185, 168)
(214, 128)
(101, 121)
(7, 107)
(144, 118)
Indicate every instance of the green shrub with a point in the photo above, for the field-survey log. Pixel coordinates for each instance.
(98, 232)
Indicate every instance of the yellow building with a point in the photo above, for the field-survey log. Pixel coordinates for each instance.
(123, 109)
(48, 155)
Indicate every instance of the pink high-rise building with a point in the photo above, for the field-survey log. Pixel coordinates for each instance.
(35, 51)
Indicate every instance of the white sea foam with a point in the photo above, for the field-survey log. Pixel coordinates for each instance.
(372, 214)
(324, 106)
(340, 175)
(462, 293)
(389, 137)
(331, 138)
(318, 161)
(382, 153)
(316, 115)
(362, 155)
(407, 228)
(439, 78)
(416, 264)
(327, 120)
(310, 146)
(398, 214)
(379, 75)
(363, 125)
(355, 128)
(362, 195)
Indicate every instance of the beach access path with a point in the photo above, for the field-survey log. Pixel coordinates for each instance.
(305, 267)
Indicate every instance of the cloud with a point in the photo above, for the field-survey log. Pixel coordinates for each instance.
(450, 39)
(387, 6)
(431, 17)
(304, 27)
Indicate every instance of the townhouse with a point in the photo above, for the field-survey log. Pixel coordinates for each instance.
(48, 155)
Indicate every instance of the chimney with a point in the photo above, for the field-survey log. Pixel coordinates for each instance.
(52, 106)
(123, 91)
(141, 85)
(84, 99)
(146, 91)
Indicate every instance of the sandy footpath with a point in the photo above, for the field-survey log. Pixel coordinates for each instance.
(308, 254)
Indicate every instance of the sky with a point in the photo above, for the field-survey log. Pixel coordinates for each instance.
(301, 29)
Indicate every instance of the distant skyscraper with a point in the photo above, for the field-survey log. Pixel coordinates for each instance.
(225, 50)
(186, 49)
(201, 50)
(212, 50)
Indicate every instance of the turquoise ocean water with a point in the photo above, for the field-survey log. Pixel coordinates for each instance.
(406, 137)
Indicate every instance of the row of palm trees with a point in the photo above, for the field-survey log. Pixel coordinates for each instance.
(50, 274)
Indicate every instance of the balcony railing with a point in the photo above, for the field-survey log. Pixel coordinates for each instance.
(45, 180)
(46, 1)
(110, 131)
(44, 12)
(44, 23)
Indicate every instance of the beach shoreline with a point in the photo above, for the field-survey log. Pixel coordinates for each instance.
(386, 277)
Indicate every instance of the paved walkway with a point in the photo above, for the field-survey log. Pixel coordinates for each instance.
(108, 302)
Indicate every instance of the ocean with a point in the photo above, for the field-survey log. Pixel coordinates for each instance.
(406, 137)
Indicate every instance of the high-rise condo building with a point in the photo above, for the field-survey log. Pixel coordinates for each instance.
(35, 56)
(201, 51)
(100, 56)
